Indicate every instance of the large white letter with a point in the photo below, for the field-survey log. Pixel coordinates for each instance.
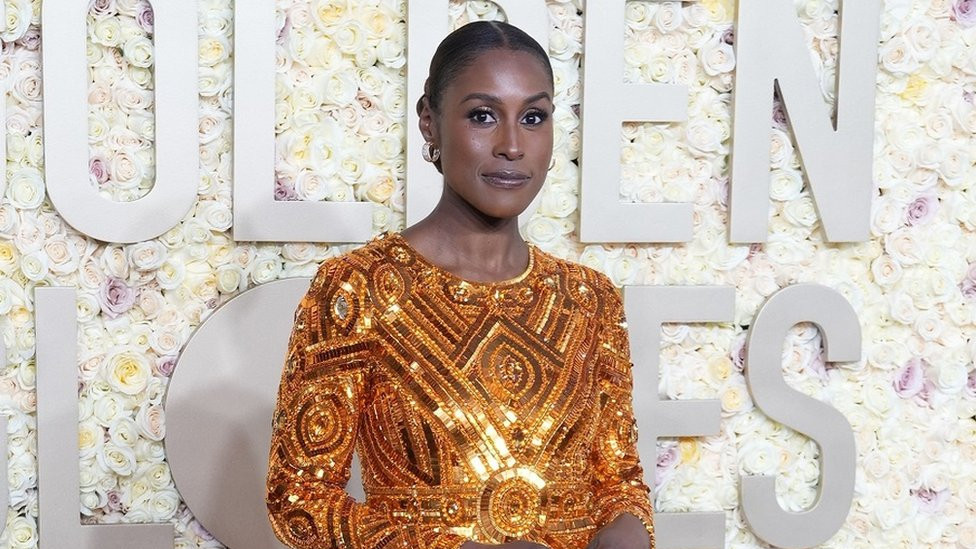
(648, 307)
(837, 157)
(4, 484)
(58, 475)
(257, 215)
(829, 428)
(66, 152)
(607, 103)
(427, 22)
(218, 448)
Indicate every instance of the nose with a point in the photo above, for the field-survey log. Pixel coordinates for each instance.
(508, 142)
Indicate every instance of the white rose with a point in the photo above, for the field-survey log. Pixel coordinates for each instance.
(265, 269)
(25, 188)
(116, 459)
(34, 265)
(542, 230)
(146, 256)
(928, 325)
(230, 278)
(213, 80)
(558, 202)
(165, 341)
(704, 136)
(171, 274)
(902, 247)
(150, 450)
(106, 31)
(127, 371)
(107, 407)
(123, 432)
(886, 271)
(785, 184)
(801, 212)
(717, 57)
(216, 214)
(213, 50)
(951, 377)
(21, 531)
(138, 51)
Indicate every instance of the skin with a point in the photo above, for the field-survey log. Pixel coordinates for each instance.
(494, 129)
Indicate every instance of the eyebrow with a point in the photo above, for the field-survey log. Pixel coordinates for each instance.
(488, 98)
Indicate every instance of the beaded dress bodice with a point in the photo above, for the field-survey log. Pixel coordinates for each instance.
(484, 411)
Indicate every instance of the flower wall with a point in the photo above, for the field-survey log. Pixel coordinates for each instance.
(340, 117)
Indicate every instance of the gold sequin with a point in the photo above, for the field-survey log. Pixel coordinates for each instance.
(484, 411)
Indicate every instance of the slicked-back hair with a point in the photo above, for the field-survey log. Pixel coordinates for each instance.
(460, 49)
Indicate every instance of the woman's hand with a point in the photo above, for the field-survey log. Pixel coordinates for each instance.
(510, 545)
(624, 532)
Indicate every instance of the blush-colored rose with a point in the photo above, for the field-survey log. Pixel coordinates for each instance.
(910, 379)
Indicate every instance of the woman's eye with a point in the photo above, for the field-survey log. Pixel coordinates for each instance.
(535, 118)
(482, 117)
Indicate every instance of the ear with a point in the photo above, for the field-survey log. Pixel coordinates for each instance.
(428, 122)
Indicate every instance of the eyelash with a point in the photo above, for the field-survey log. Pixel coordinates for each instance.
(474, 114)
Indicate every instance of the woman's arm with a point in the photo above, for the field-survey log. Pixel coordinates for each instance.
(320, 399)
(622, 500)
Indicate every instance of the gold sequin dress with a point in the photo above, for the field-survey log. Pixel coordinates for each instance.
(481, 411)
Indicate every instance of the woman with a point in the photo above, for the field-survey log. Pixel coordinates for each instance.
(486, 384)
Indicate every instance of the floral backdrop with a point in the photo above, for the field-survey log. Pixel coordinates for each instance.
(340, 136)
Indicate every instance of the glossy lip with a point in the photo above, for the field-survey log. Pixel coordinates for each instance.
(506, 179)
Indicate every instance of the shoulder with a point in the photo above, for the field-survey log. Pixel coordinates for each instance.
(350, 270)
(575, 276)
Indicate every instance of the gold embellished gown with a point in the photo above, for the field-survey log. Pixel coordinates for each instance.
(482, 411)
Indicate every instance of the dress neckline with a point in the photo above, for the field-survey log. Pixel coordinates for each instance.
(450, 275)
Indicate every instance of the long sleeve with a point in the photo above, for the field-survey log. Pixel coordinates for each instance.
(617, 474)
(324, 389)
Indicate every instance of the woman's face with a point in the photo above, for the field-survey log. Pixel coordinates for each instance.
(494, 130)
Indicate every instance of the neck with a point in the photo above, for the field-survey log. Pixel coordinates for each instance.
(467, 242)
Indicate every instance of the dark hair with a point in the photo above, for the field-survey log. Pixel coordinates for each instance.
(460, 48)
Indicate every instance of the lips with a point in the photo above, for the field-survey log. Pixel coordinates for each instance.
(506, 179)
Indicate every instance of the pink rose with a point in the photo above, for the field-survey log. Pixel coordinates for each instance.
(921, 210)
(968, 284)
(115, 297)
(102, 8)
(31, 39)
(930, 501)
(970, 390)
(739, 352)
(284, 191)
(926, 395)
(165, 365)
(667, 459)
(284, 31)
(964, 12)
(98, 170)
(145, 17)
(114, 500)
(910, 379)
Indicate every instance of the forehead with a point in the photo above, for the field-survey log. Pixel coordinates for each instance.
(502, 72)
